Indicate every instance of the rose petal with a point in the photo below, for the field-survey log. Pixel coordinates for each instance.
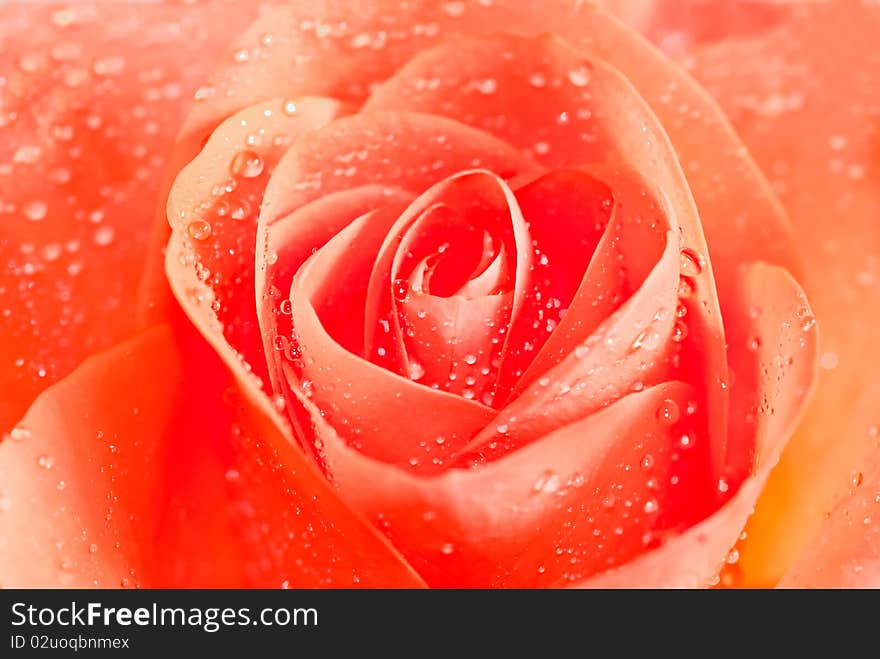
(845, 553)
(783, 367)
(446, 216)
(542, 516)
(103, 469)
(92, 96)
(356, 395)
(213, 207)
(811, 76)
(290, 241)
(475, 81)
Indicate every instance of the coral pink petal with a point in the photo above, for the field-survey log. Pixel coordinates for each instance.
(454, 226)
(213, 209)
(845, 553)
(783, 368)
(284, 246)
(92, 97)
(543, 516)
(102, 469)
(404, 150)
(473, 81)
(354, 394)
(830, 185)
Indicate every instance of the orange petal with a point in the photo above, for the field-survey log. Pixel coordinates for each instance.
(291, 241)
(783, 368)
(355, 394)
(92, 96)
(810, 119)
(213, 208)
(542, 516)
(845, 553)
(110, 481)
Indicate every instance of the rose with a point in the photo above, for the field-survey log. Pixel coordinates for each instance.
(485, 300)
(502, 522)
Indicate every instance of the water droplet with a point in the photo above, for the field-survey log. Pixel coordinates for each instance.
(46, 461)
(647, 339)
(247, 164)
(542, 149)
(289, 108)
(109, 66)
(538, 80)
(454, 9)
(198, 229)
(580, 76)
(36, 211)
(286, 307)
(690, 263)
(686, 440)
(19, 434)
(685, 288)
(401, 289)
(679, 332)
(447, 548)
(241, 55)
(241, 210)
(104, 235)
(837, 142)
(651, 506)
(857, 478)
(723, 485)
(668, 412)
(486, 86)
(547, 482)
(470, 359)
(416, 371)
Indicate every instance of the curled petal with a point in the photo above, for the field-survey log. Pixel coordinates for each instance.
(504, 524)
(103, 468)
(783, 370)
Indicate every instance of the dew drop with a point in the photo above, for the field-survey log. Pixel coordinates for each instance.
(690, 263)
(470, 359)
(679, 332)
(538, 80)
(36, 211)
(109, 66)
(447, 548)
(547, 482)
(104, 236)
(289, 108)
(241, 210)
(486, 86)
(685, 288)
(668, 412)
(286, 307)
(454, 8)
(199, 229)
(580, 76)
(401, 289)
(19, 434)
(247, 164)
(416, 371)
(46, 461)
(686, 440)
(651, 506)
